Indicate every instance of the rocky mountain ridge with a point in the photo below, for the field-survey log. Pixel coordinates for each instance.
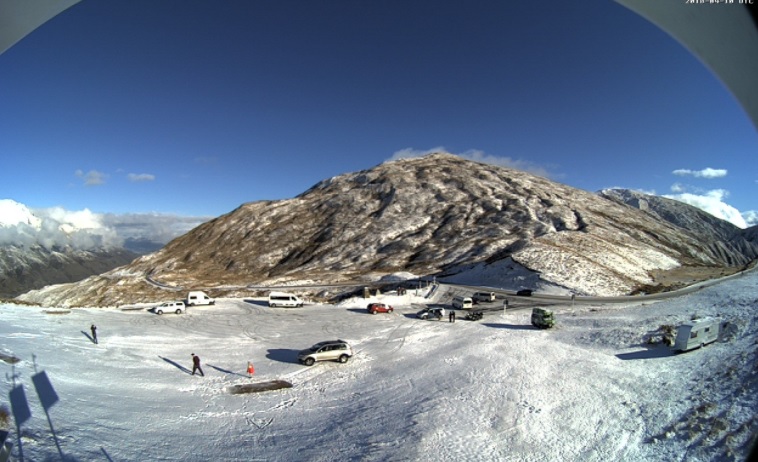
(735, 245)
(24, 268)
(427, 216)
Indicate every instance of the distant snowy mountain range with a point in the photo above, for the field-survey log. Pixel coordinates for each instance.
(35, 252)
(436, 215)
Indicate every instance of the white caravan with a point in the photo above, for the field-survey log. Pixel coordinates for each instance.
(696, 334)
(284, 299)
(197, 297)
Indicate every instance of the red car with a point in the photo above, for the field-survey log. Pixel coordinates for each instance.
(374, 308)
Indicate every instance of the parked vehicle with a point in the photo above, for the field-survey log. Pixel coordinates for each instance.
(542, 318)
(474, 315)
(483, 297)
(428, 314)
(374, 308)
(330, 350)
(524, 293)
(170, 307)
(696, 334)
(462, 303)
(197, 297)
(284, 299)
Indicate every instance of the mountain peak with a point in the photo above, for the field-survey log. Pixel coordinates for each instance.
(432, 215)
(13, 213)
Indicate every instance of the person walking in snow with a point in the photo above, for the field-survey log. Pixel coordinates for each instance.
(93, 329)
(452, 316)
(196, 365)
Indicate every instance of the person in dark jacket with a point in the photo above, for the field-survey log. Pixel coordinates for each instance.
(196, 365)
(452, 316)
(93, 328)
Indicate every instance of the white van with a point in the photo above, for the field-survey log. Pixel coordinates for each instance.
(462, 303)
(696, 334)
(485, 297)
(284, 299)
(197, 297)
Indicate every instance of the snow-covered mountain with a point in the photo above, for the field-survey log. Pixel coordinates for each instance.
(13, 213)
(34, 252)
(434, 215)
(722, 236)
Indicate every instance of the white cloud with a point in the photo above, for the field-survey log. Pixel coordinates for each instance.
(78, 219)
(156, 227)
(91, 178)
(678, 188)
(712, 202)
(705, 173)
(477, 156)
(140, 177)
(58, 227)
(751, 217)
(84, 229)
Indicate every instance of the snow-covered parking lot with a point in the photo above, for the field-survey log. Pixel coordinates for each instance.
(496, 389)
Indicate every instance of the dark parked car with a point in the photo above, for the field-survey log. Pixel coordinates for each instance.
(524, 293)
(374, 308)
(474, 315)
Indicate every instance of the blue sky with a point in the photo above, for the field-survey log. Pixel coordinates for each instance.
(195, 107)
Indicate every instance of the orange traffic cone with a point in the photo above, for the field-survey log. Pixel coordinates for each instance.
(250, 369)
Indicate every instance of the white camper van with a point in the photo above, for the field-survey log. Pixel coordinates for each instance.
(197, 297)
(462, 303)
(284, 299)
(696, 334)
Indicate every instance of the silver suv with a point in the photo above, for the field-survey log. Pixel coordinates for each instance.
(428, 314)
(331, 350)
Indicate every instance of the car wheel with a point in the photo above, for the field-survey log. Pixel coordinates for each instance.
(309, 361)
(343, 359)
(178, 311)
(374, 312)
(158, 311)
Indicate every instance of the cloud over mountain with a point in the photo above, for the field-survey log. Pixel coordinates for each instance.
(712, 202)
(84, 229)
